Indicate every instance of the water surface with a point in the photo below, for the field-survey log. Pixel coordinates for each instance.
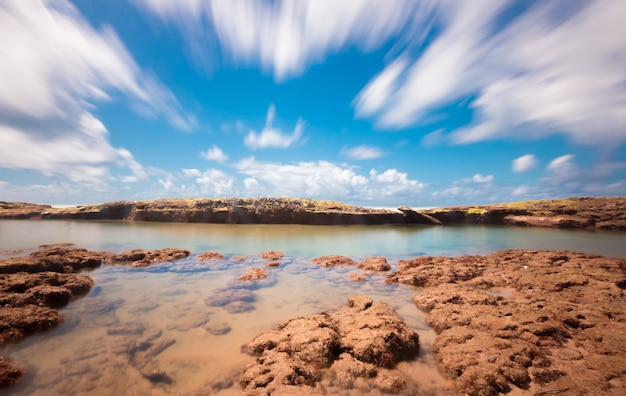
(168, 302)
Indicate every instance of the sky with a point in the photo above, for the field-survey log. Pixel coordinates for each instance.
(375, 103)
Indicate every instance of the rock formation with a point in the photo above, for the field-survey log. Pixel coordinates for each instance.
(356, 347)
(589, 213)
(34, 286)
(562, 329)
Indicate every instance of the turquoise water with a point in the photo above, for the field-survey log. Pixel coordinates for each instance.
(308, 241)
(167, 303)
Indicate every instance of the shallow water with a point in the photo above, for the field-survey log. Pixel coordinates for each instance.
(168, 302)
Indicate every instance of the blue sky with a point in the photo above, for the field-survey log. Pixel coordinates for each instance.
(376, 103)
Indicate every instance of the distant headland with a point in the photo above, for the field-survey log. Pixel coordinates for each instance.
(608, 213)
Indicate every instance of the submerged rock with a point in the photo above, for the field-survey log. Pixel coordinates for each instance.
(236, 307)
(217, 328)
(364, 340)
(223, 297)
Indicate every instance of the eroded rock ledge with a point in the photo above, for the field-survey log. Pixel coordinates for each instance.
(352, 348)
(588, 213)
(562, 329)
(583, 212)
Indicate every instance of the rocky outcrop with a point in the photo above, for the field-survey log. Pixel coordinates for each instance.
(357, 347)
(143, 258)
(333, 261)
(374, 264)
(34, 286)
(231, 211)
(587, 213)
(21, 210)
(561, 328)
(590, 213)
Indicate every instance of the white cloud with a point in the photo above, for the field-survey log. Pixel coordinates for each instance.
(524, 163)
(250, 184)
(54, 67)
(362, 152)
(478, 178)
(392, 183)
(327, 180)
(216, 183)
(557, 68)
(272, 137)
(284, 37)
(214, 154)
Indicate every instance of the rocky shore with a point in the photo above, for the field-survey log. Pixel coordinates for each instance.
(586, 213)
(560, 329)
(522, 321)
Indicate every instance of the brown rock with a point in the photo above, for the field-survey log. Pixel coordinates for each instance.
(29, 300)
(349, 344)
(271, 255)
(566, 307)
(18, 322)
(428, 271)
(333, 261)
(377, 264)
(209, 256)
(9, 375)
(53, 258)
(253, 274)
(592, 213)
(143, 258)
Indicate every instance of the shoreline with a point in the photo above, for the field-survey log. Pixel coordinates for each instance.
(571, 213)
(566, 311)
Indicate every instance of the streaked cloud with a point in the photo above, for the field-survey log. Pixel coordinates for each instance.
(524, 163)
(55, 68)
(214, 154)
(283, 37)
(556, 68)
(362, 152)
(273, 137)
(83, 154)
